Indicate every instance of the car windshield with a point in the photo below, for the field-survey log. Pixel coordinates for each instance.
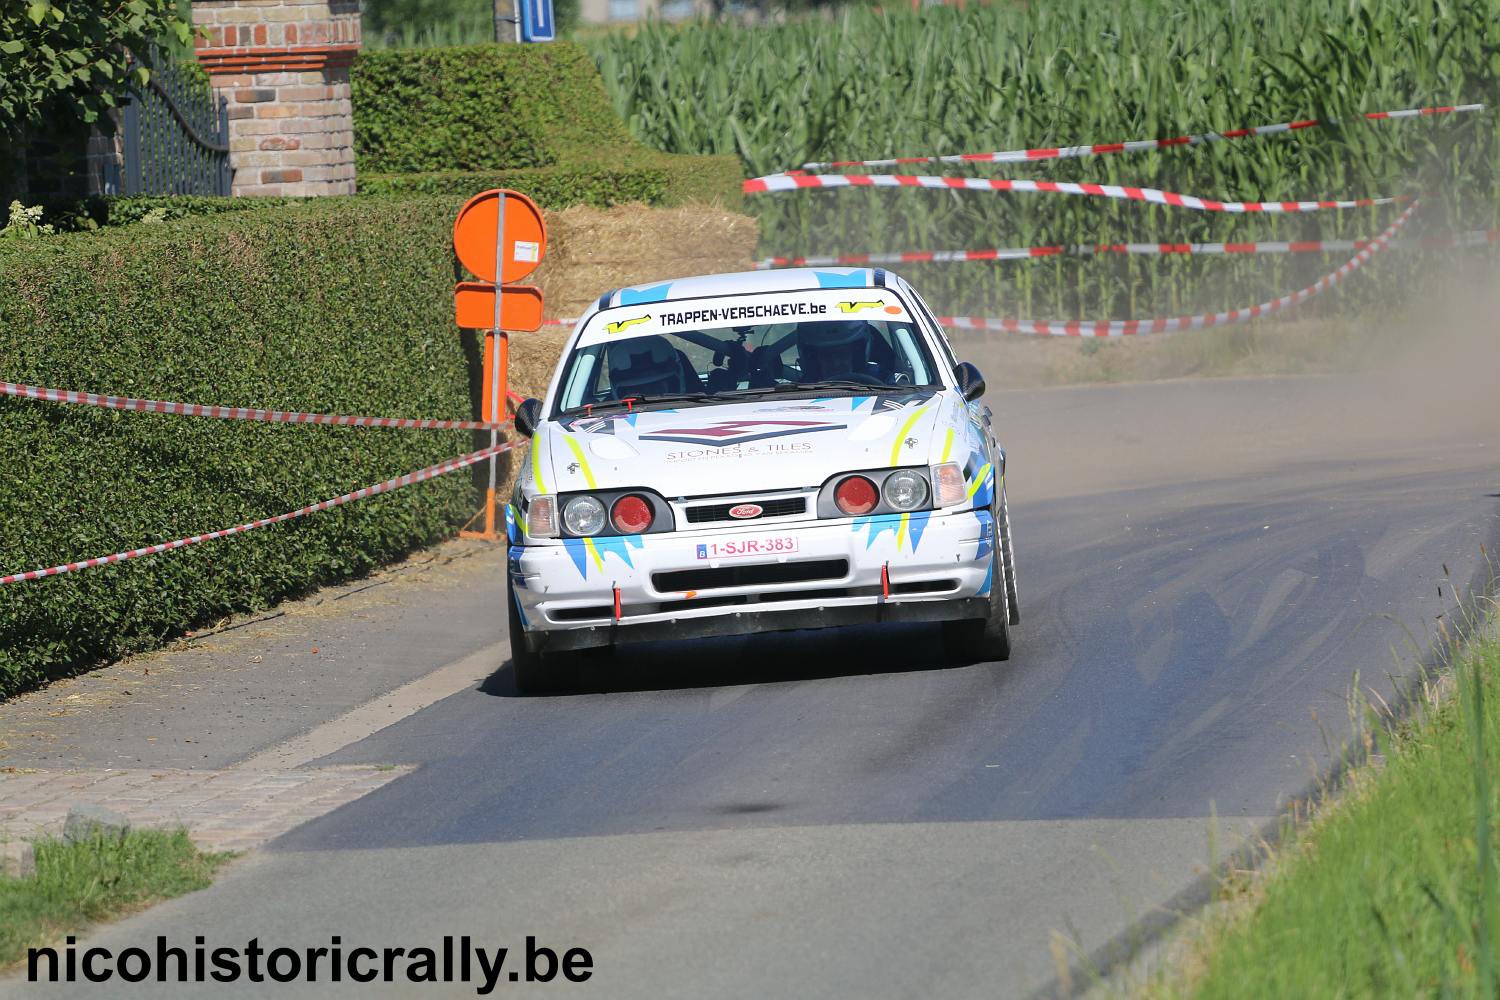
(706, 365)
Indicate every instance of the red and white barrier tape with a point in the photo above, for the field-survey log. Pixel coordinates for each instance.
(794, 182)
(1477, 237)
(236, 412)
(1125, 328)
(431, 472)
(1135, 145)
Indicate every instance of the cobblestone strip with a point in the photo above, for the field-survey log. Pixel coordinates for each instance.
(230, 810)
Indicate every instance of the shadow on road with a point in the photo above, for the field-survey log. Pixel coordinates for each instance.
(767, 658)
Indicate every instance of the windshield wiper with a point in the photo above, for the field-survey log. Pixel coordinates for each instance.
(631, 402)
(864, 387)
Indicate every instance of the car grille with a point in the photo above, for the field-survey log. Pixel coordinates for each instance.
(707, 513)
(752, 575)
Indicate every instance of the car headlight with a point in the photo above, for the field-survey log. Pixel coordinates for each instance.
(855, 495)
(904, 490)
(583, 515)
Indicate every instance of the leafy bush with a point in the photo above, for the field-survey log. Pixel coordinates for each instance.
(25, 223)
(334, 305)
(72, 56)
(431, 120)
(98, 212)
(444, 109)
(661, 179)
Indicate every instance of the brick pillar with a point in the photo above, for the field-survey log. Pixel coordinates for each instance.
(283, 65)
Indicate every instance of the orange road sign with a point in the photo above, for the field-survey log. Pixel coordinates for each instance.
(524, 243)
(520, 306)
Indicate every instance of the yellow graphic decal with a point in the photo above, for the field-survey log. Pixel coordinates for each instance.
(854, 307)
(984, 474)
(583, 462)
(621, 325)
(947, 446)
(536, 464)
(901, 530)
(901, 434)
(588, 543)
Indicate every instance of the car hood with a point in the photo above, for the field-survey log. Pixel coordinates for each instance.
(743, 447)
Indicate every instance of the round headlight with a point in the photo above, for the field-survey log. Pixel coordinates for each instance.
(583, 516)
(855, 495)
(905, 490)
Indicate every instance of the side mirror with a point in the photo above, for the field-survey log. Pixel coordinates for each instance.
(528, 415)
(970, 382)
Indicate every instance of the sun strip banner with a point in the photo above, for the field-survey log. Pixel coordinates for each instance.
(235, 412)
(1477, 237)
(422, 475)
(795, 182)
(1125, 328)
(1140, 145)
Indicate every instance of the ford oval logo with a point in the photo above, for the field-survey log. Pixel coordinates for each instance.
(746, 510)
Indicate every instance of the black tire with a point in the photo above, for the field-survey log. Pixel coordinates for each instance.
(535, 673)
(984, 640)
(1012, 596)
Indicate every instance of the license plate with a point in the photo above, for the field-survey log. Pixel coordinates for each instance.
(738, 548)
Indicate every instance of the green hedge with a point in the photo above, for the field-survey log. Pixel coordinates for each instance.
(444, 109)
(661, 180)
(99, 212)
(534, 117)
(335, 305)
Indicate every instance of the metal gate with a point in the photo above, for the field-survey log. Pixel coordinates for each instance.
(176, 135)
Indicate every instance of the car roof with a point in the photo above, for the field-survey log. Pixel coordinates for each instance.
(746, 283)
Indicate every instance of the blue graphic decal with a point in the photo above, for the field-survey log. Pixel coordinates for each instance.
(903, 526)
(512, 529)
(630, 418)
(593, 550)
(619, 545)
(513, 564)
(578, 549)
(986, 549)
(986, 534)
(639, 296)
(828, 279)
(917, 525)
(878, 524)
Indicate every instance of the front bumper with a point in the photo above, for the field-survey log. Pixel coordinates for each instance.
(928, 566)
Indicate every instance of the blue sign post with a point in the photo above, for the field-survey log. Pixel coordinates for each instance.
(536, 21)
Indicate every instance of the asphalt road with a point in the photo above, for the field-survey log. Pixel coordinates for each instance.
(1204, 569)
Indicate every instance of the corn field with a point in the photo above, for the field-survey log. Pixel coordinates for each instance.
(1058, 72)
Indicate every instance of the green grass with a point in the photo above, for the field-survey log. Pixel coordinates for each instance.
(1393, 891)
(77, 885)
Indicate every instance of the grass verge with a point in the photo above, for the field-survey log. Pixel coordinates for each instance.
(78, 885)
(1392, 889)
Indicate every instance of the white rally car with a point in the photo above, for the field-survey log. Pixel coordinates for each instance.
(755, 452)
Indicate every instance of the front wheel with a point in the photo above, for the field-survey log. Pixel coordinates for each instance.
(535, 673)
(987, 639)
